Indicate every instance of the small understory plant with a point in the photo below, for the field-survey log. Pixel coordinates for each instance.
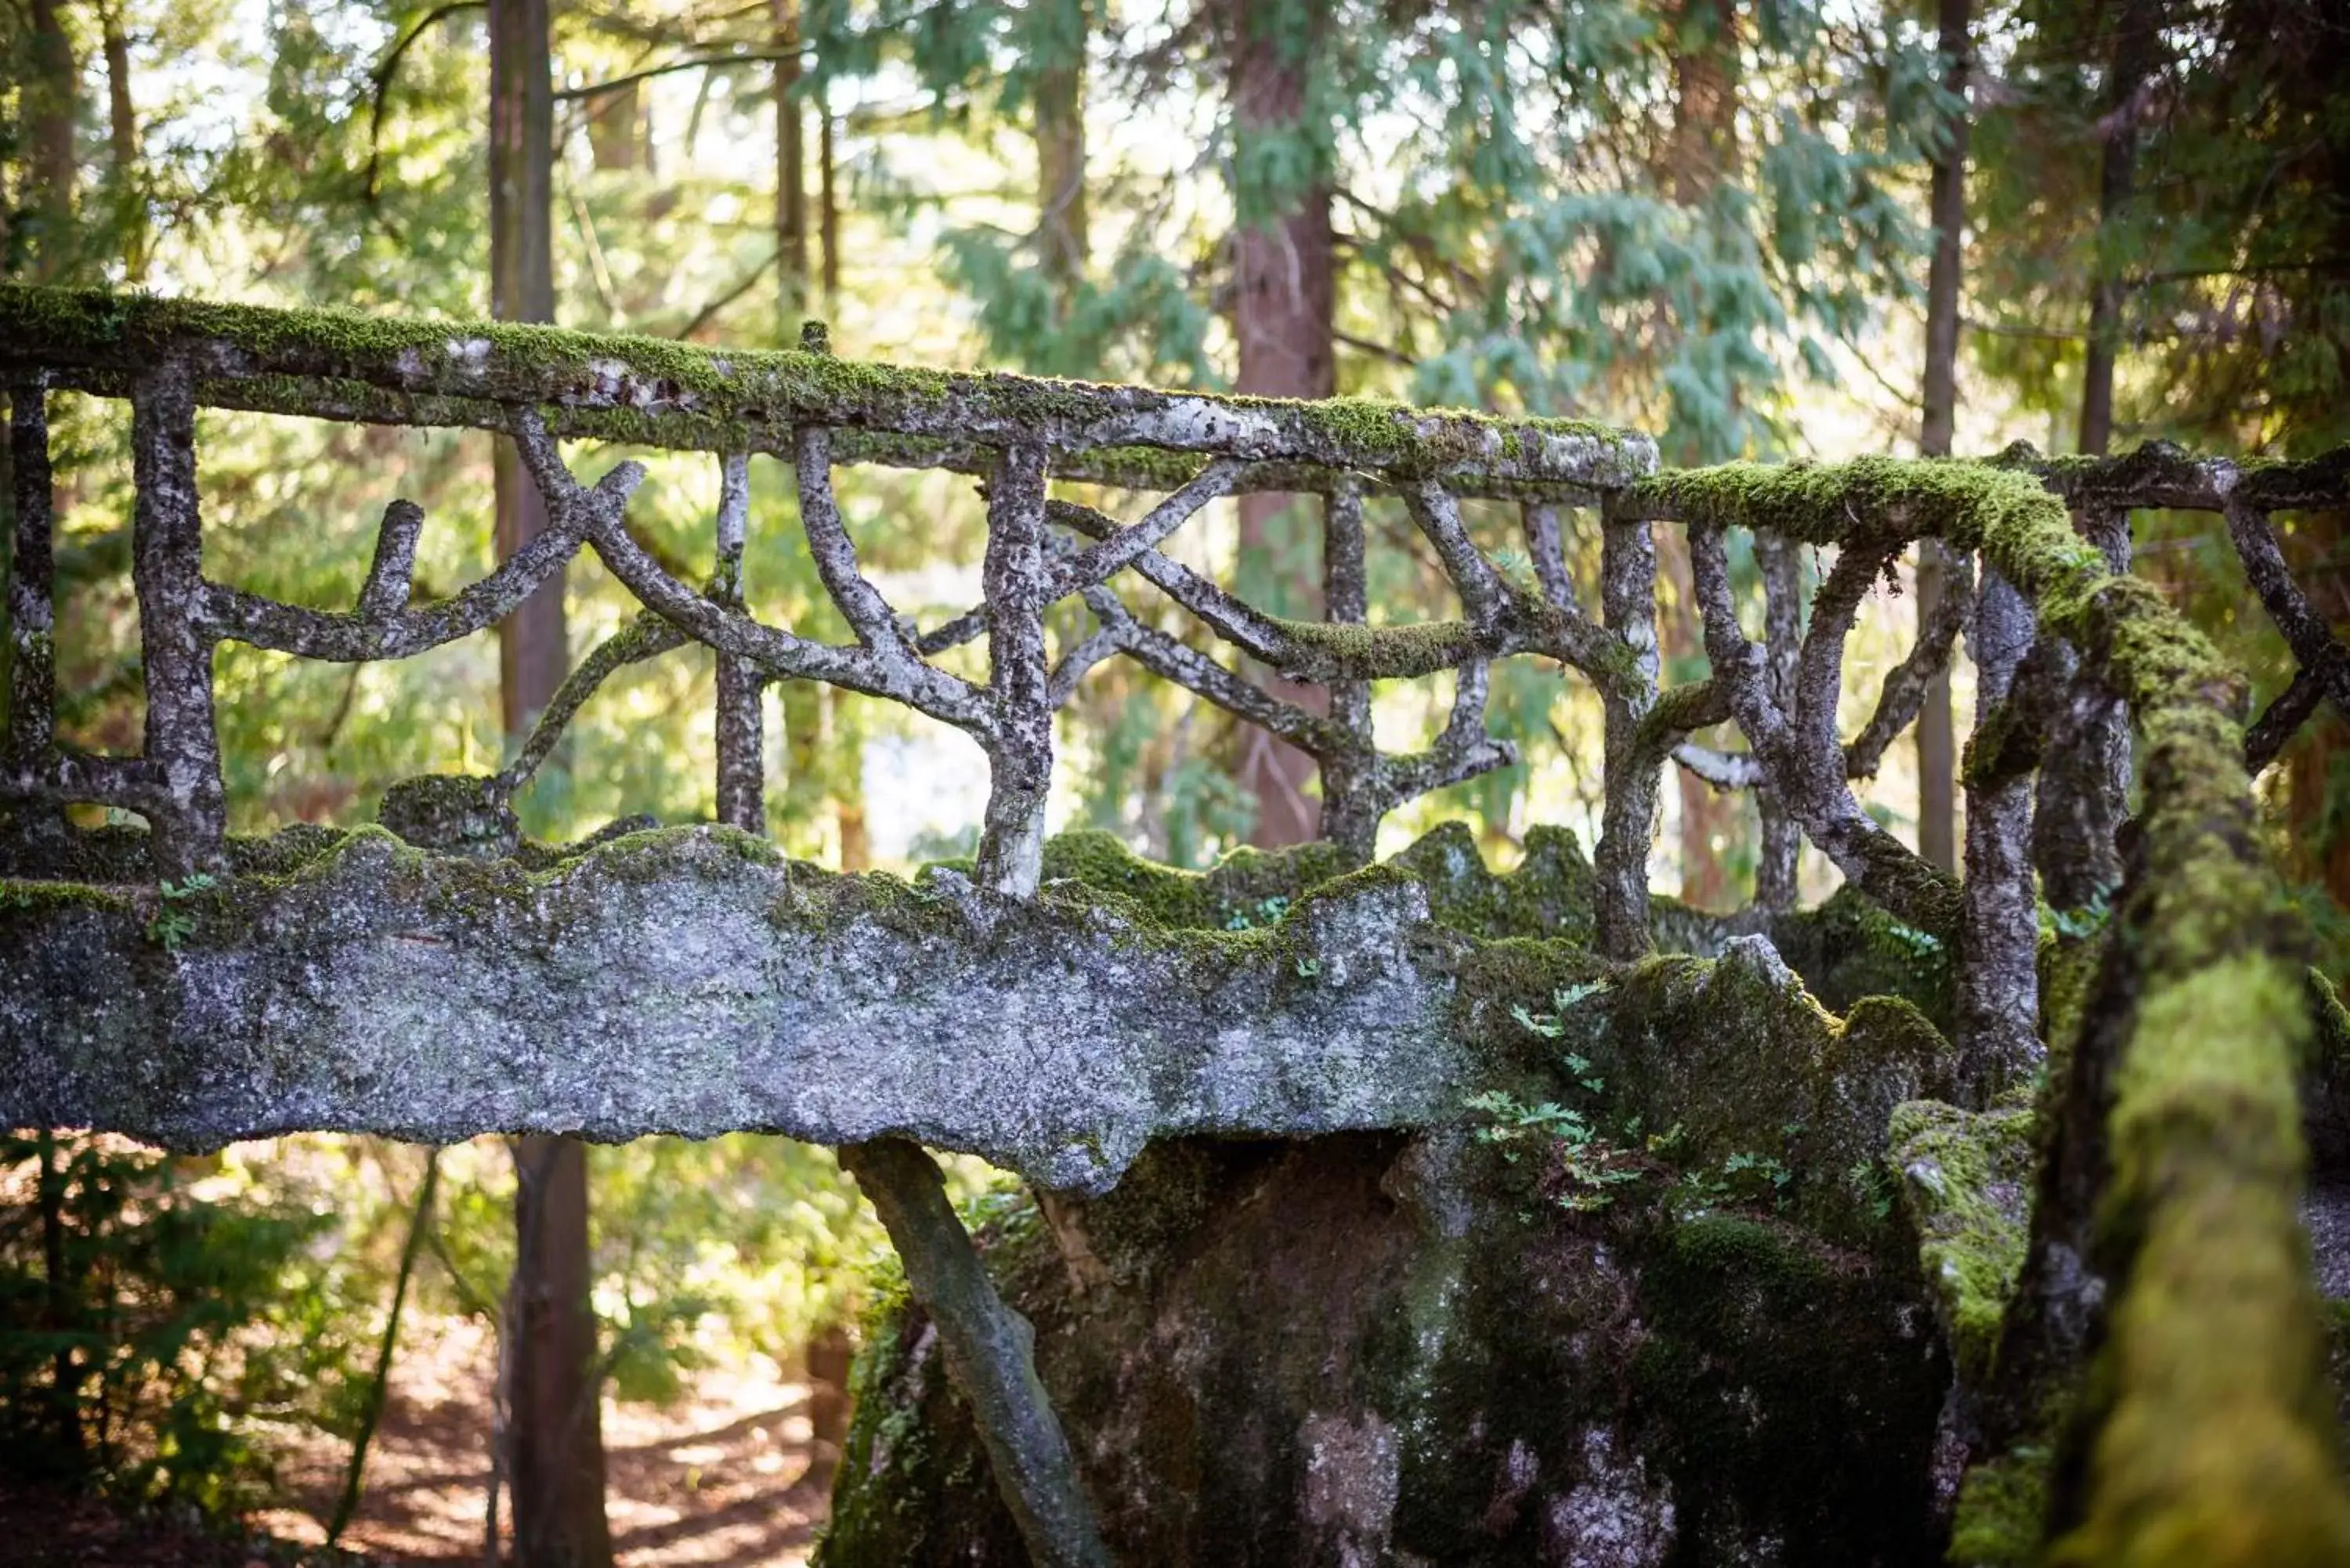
(173, 924)
(1593, 1165)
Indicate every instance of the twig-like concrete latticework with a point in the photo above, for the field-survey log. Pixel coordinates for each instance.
(362, 984)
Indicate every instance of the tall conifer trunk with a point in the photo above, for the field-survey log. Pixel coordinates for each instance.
(1937, 753)
(1062, 229)
(50, 100)
(791, 173)
(554, 1430)
(1704, 142)
(129, 202)
(2135, 41)
(1284, 284)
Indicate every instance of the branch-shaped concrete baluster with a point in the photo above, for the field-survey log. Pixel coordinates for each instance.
(1118, 547)
(1899, 698)
(1349, 816)
(391, 574)
(1627, 603)
(1326, 653)
(383, 625)
(990, 1351)
(2282, 719)
(1903, 693)
(1996, 1013)
(189, 811)
(2084, 759)
(2314, 647)
(1361, 784)
(1196, 672)
(1546, 550)
(646, 636)
(32, 582)
(597, 511)
(741, 723)
(1377, 783)
(1482, 594)
(1783, 634)
(1104, 560)
(1799, 755)
(1018, 579)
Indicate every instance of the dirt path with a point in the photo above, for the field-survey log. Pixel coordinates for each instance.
(723, 1478)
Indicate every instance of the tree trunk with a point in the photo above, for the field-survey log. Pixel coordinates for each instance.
(2135, 39)
(1063, 240)
(62, 1305)
(50, 102)
(533, 644)
(828, 200)
(791, 173)
(1704, 141)
(1937, 755)
(555, 1421)
(555, 1430)
(122, 125)
(990, 1354)
(1285, 283)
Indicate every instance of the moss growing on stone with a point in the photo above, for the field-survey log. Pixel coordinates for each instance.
(669, 393)
(1849, 946)
(2002, 1510)
(1744, 1314)
(1966, 1184)
(1549, 895)
(458, 813)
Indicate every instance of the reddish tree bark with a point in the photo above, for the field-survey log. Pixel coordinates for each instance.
(1284, 287)
(1938, 753)
(555, 1431)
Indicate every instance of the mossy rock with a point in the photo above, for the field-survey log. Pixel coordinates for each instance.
(1371, 1348)
(1966, 1185)
(1848, 948)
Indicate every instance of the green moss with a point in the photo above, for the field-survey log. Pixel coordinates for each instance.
(38, 900)
(1422, 648)
(1549, 895)
(2329, 1024)
(2067, 969)
(1676, 713)
(1163, 895)
(700, 393)
(1966, 1183)
(2002, 1512)
(459, 814)
(1849, 948)
(1751, 1326)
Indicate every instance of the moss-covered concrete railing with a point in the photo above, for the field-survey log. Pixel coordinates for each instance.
(1057, 1031)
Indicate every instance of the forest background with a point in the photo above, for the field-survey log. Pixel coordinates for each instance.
(1779, 229)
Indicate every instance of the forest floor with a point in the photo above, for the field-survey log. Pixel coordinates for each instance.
(725, 1478)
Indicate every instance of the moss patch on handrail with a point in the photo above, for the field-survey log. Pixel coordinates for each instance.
(656, 381)
(2206, 1435)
